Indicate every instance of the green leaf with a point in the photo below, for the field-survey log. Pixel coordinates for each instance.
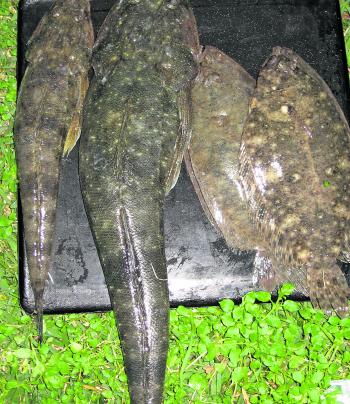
(314, 395)
(295, 362)
(75, 347)
(273, 321)
(249, 298)
(346, 357)
(305, 312)
(23, 353)
(227, 320)
(239, 373)
(198, 382)
(183, 311)
(4, 221)
(298, 376)
(263, 296)
(234, 357)
(317, 377)
(226, 305)
(12, 384)
(286, 290)
(334, 320)
(291, 306)
(37, 370)
(212, 350)
(232, 332)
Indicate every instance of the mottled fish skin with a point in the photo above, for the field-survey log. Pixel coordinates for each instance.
(220, 105)
(295, 172)
(47, 124)
(135, 128)
(220, 101)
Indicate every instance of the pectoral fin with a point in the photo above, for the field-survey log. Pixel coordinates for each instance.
(183, 138)
(75, 126)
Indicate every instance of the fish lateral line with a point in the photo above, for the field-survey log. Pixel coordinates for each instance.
(133, 265)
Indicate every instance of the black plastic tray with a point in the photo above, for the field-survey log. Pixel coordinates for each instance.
(202, 269)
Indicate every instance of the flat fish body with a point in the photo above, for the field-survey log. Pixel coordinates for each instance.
(133, 136)
(220, 101)
(294, 169)
(47, 124)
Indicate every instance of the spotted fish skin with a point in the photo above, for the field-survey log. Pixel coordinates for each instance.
(135, 129)
(220, 104)
(295, 169)
(47, 124)
(220, 101)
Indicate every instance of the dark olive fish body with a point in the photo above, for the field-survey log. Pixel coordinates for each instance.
(133, 136)
(295, 170)
(47, 125)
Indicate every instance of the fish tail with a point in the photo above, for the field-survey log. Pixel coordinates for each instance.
(39, 322)
(139, 296)
(38, 296)
(328, 290)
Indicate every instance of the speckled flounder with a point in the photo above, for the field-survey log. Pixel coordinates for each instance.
(135, 129)
(295, 172)
(220, 100)
(47, 125)
(220, 105)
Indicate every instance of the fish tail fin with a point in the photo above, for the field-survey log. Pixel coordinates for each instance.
(39, 322)
(328, 290)
(345, 253)
(39, 311)
(142, 317)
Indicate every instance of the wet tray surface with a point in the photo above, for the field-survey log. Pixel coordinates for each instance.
(201, 268)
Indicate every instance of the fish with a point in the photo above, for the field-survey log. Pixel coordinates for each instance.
(294, 170)
(136, 126)
(47, 126)
(220, 101)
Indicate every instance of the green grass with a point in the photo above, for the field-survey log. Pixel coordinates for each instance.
(345, 11)
(270, 353)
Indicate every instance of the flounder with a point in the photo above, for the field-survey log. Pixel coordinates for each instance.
(135, 130)
(295, 169)
(47, 125)
(220, 106)
(220, 101)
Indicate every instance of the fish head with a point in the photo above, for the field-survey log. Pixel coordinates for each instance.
(179, 59)
(65, 27)
(177, 67)
(79, 15)
(150, 4)
(79, 10)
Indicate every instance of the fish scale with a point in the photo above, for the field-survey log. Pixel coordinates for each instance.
(294, 170)
(47, 125)
(135, 129)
